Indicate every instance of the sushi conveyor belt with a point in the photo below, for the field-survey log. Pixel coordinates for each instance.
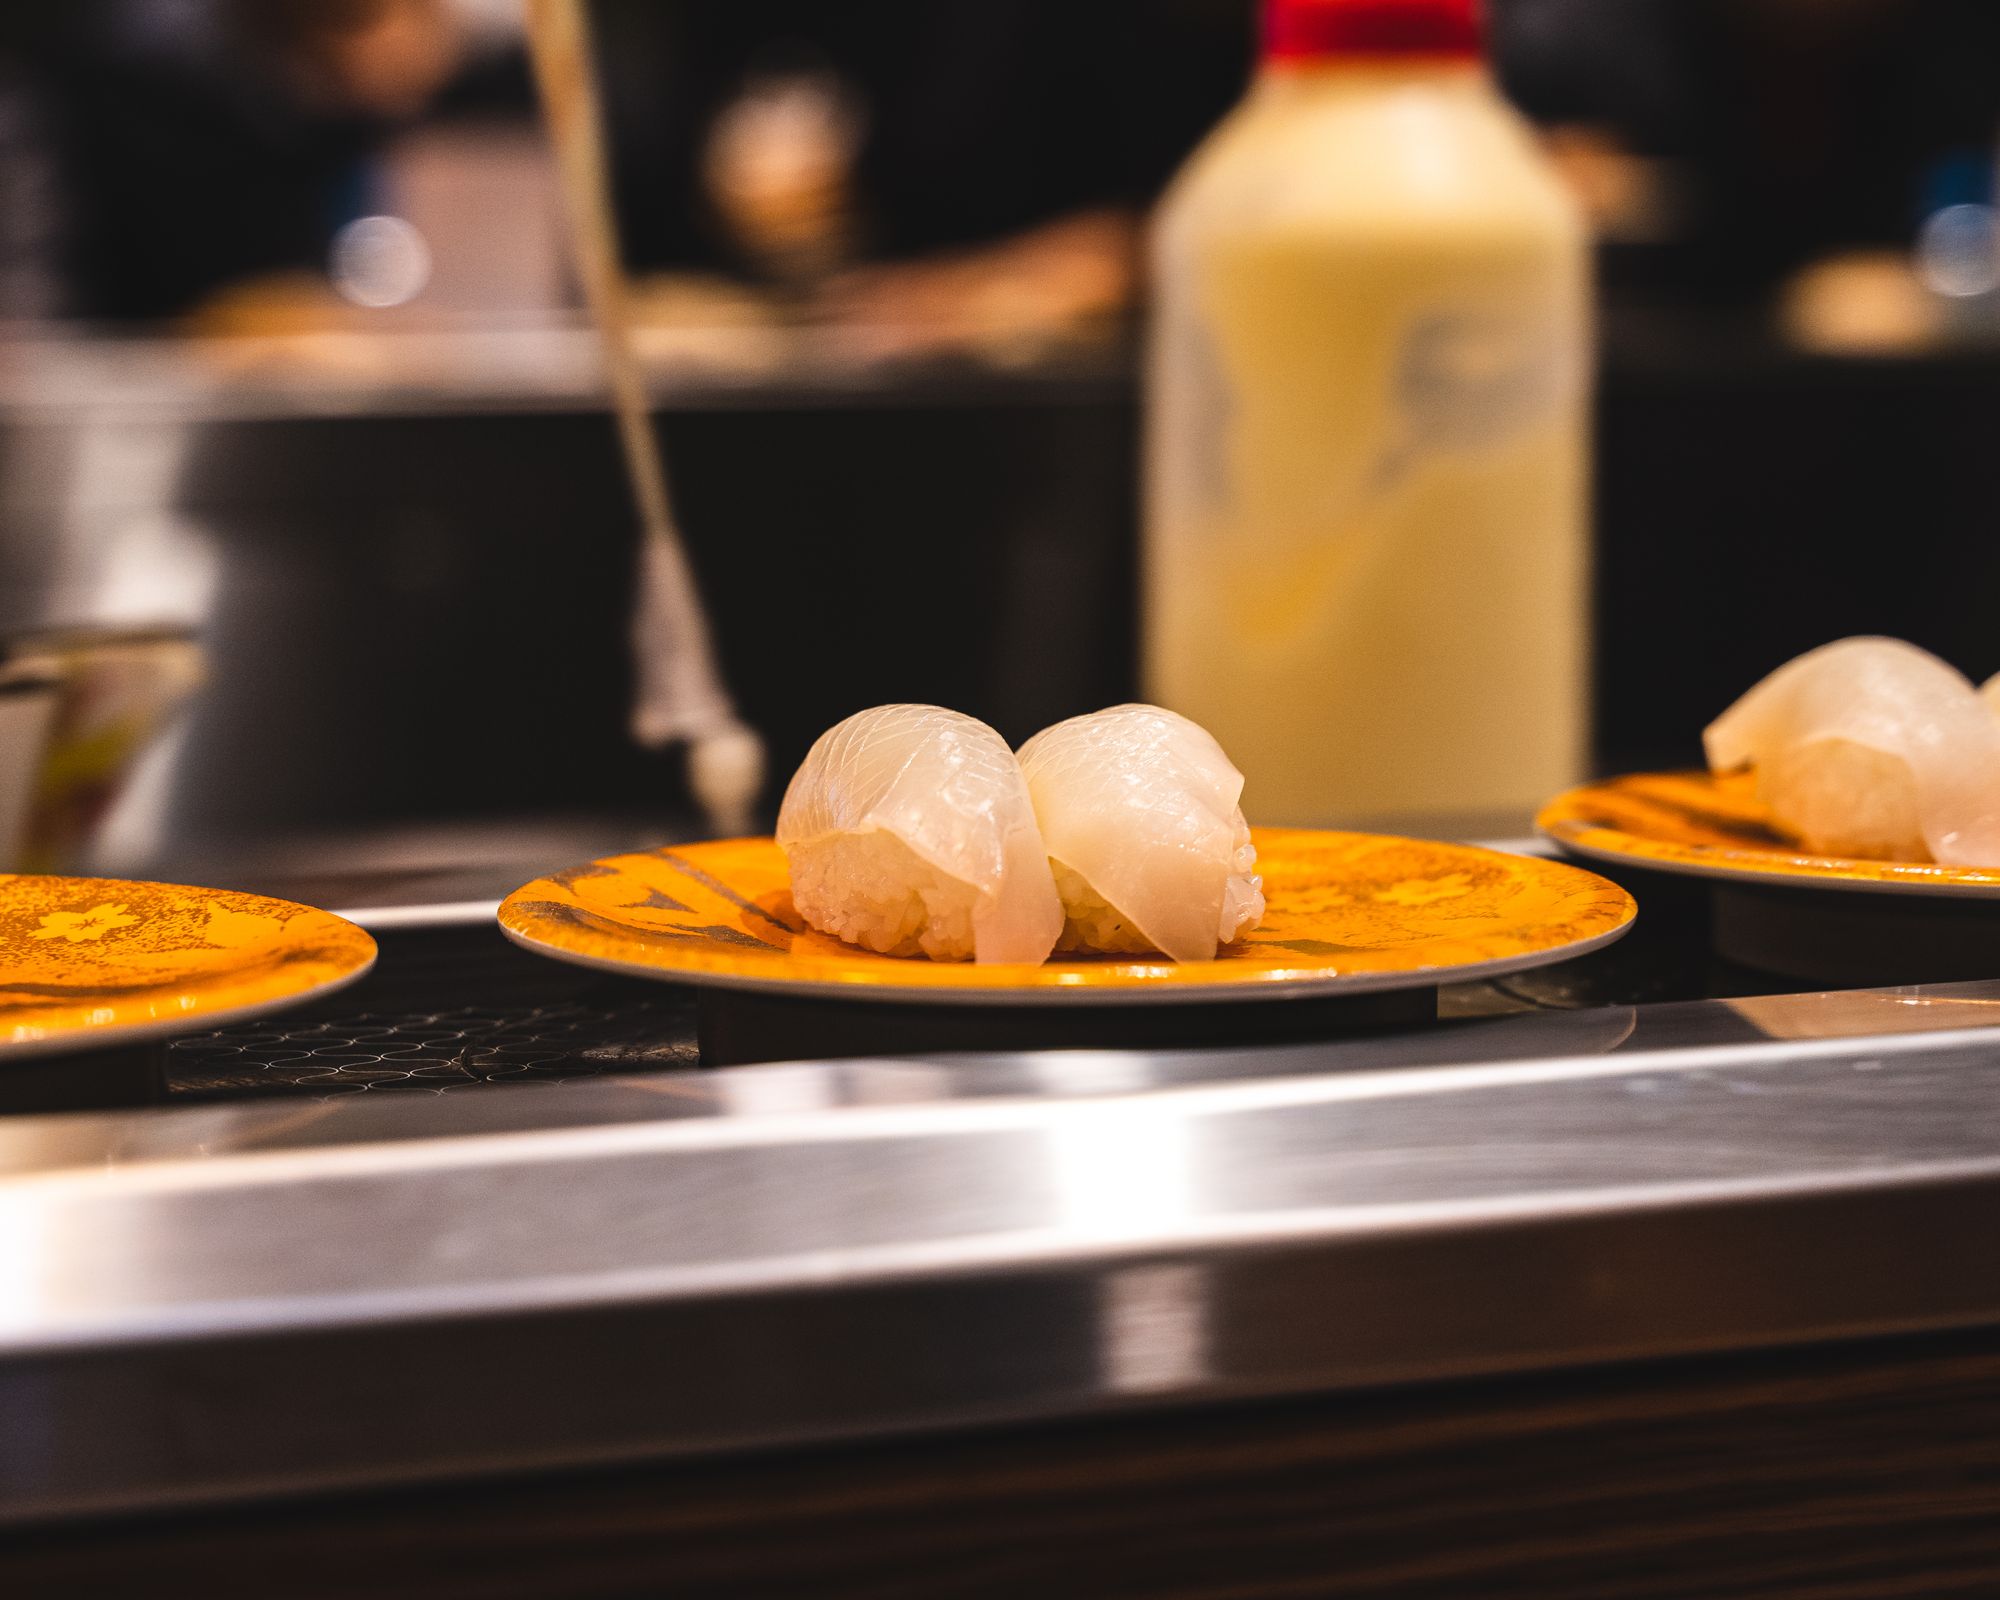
(344, 1232)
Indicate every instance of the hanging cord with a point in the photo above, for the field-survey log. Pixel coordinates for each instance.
(681, 694)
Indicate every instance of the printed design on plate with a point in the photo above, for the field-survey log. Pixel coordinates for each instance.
(77, 926)
(1337, 903)
(85, 954)
(1698, 820)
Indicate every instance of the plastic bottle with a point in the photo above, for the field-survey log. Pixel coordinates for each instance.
(1366, 555)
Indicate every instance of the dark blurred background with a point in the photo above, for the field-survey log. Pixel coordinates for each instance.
(292, 358)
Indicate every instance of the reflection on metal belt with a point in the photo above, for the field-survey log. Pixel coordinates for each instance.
(1154, 1323)
(1122, 1170)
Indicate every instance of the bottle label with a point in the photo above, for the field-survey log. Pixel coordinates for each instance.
(1204, 407)
(1472, 380)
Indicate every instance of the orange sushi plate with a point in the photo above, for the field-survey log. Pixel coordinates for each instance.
(91, 963)
(1348, 913)
(1715, 827)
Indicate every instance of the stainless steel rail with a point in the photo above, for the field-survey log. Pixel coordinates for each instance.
(215, 1303)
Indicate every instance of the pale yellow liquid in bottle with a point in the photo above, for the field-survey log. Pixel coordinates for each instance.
(1366, 551)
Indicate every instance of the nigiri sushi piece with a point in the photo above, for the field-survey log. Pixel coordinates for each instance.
(1140, 810)
(908, 830)
(1872, 748)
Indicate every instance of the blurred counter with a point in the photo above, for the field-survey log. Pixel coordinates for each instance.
(410, 552)
(409, 555)
(534, 367)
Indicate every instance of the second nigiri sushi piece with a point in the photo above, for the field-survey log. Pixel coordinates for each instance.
(908, 830)
(1141, 813)
(1872, 748)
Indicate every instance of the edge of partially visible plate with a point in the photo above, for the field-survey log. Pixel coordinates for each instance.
(170, 1002)
(116, 1035)
(1774, 868)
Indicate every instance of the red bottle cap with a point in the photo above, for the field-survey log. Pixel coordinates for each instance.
(1299, 30)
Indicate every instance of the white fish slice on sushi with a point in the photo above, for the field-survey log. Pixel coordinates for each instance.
(908, 830)
(1141, 813)
(1872, 748)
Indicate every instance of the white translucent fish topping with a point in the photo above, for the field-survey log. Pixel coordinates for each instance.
(1872, 748)
(1141, 813)
(909, 830)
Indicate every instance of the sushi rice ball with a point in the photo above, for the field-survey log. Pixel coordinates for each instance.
(1140, 810)
(1871, 748)
(909, 831)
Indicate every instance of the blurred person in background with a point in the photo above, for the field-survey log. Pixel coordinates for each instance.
(923, 173)
(960, 170)
(175, 147)
(932, 173)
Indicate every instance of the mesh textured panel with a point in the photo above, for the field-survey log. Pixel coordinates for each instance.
(434, 1051)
